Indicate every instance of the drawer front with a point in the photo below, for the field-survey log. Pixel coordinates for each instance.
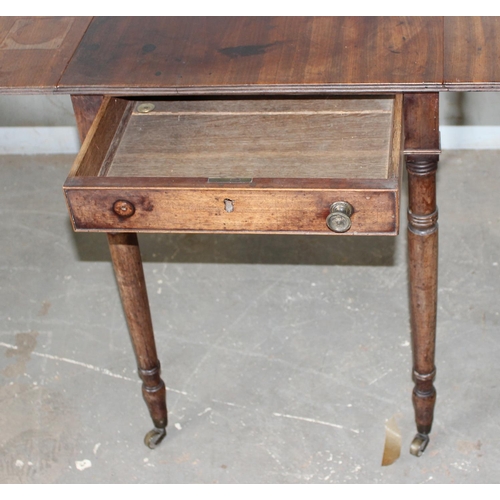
(230, 210)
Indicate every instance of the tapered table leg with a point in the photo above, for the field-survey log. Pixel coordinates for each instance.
(422, 155)
(423, 261)
(127, 263)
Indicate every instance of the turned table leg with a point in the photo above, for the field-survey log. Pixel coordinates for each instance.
(423, 261)
(125, 253)
(129, 273)
(422, 155)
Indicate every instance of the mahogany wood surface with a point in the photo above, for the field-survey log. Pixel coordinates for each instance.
(421, 122)
(296, 195)
(422, 250)
(171, 55)
(103, 131)
(34, 51)
(85, 108)
(127, 264)
(472, 53)
(255, 211)
(223, 55)
(423, 261)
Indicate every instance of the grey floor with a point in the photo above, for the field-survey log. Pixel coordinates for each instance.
(283, 355)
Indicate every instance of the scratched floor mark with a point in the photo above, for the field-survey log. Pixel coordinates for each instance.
(314, 421)
(21, 352)
(14, 349)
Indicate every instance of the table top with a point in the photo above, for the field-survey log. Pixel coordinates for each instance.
(34, 51)
(248, 55)
(472, 53)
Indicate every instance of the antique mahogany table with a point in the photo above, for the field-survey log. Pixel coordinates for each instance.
(255, 125)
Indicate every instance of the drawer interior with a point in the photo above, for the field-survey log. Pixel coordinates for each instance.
(286, 138)
(296, 152)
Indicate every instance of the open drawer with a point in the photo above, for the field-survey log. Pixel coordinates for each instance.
(241, 165)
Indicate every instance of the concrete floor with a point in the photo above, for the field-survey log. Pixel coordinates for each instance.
(283, 355)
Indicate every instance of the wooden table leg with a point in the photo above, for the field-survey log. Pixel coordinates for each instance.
(127, 263)
(85, 108)
(423, 261)
(422, 146)
(129, 273)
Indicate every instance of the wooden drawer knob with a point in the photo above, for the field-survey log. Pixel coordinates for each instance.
(339, 219)
(123, 208)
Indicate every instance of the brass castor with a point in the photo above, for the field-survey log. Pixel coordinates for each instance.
(154, 437)
(419, 444)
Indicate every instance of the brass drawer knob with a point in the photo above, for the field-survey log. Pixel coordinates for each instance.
(123, 208)
(339, 219)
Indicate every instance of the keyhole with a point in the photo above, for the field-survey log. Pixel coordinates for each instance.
(228, 205)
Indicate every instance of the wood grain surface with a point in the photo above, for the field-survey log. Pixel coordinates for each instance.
(287, 138)
(421, 123)
(101, 139)
(170, 55)
(174, 201)
(85, 108)
(423, 274)
(472, 53)
(127, 264)
(34, 51)
(254, 211)
(224, 55)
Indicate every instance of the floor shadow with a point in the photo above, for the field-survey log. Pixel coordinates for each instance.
(249, 249)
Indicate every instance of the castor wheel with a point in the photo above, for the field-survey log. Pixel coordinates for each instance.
(419, 444)
(154, 437)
